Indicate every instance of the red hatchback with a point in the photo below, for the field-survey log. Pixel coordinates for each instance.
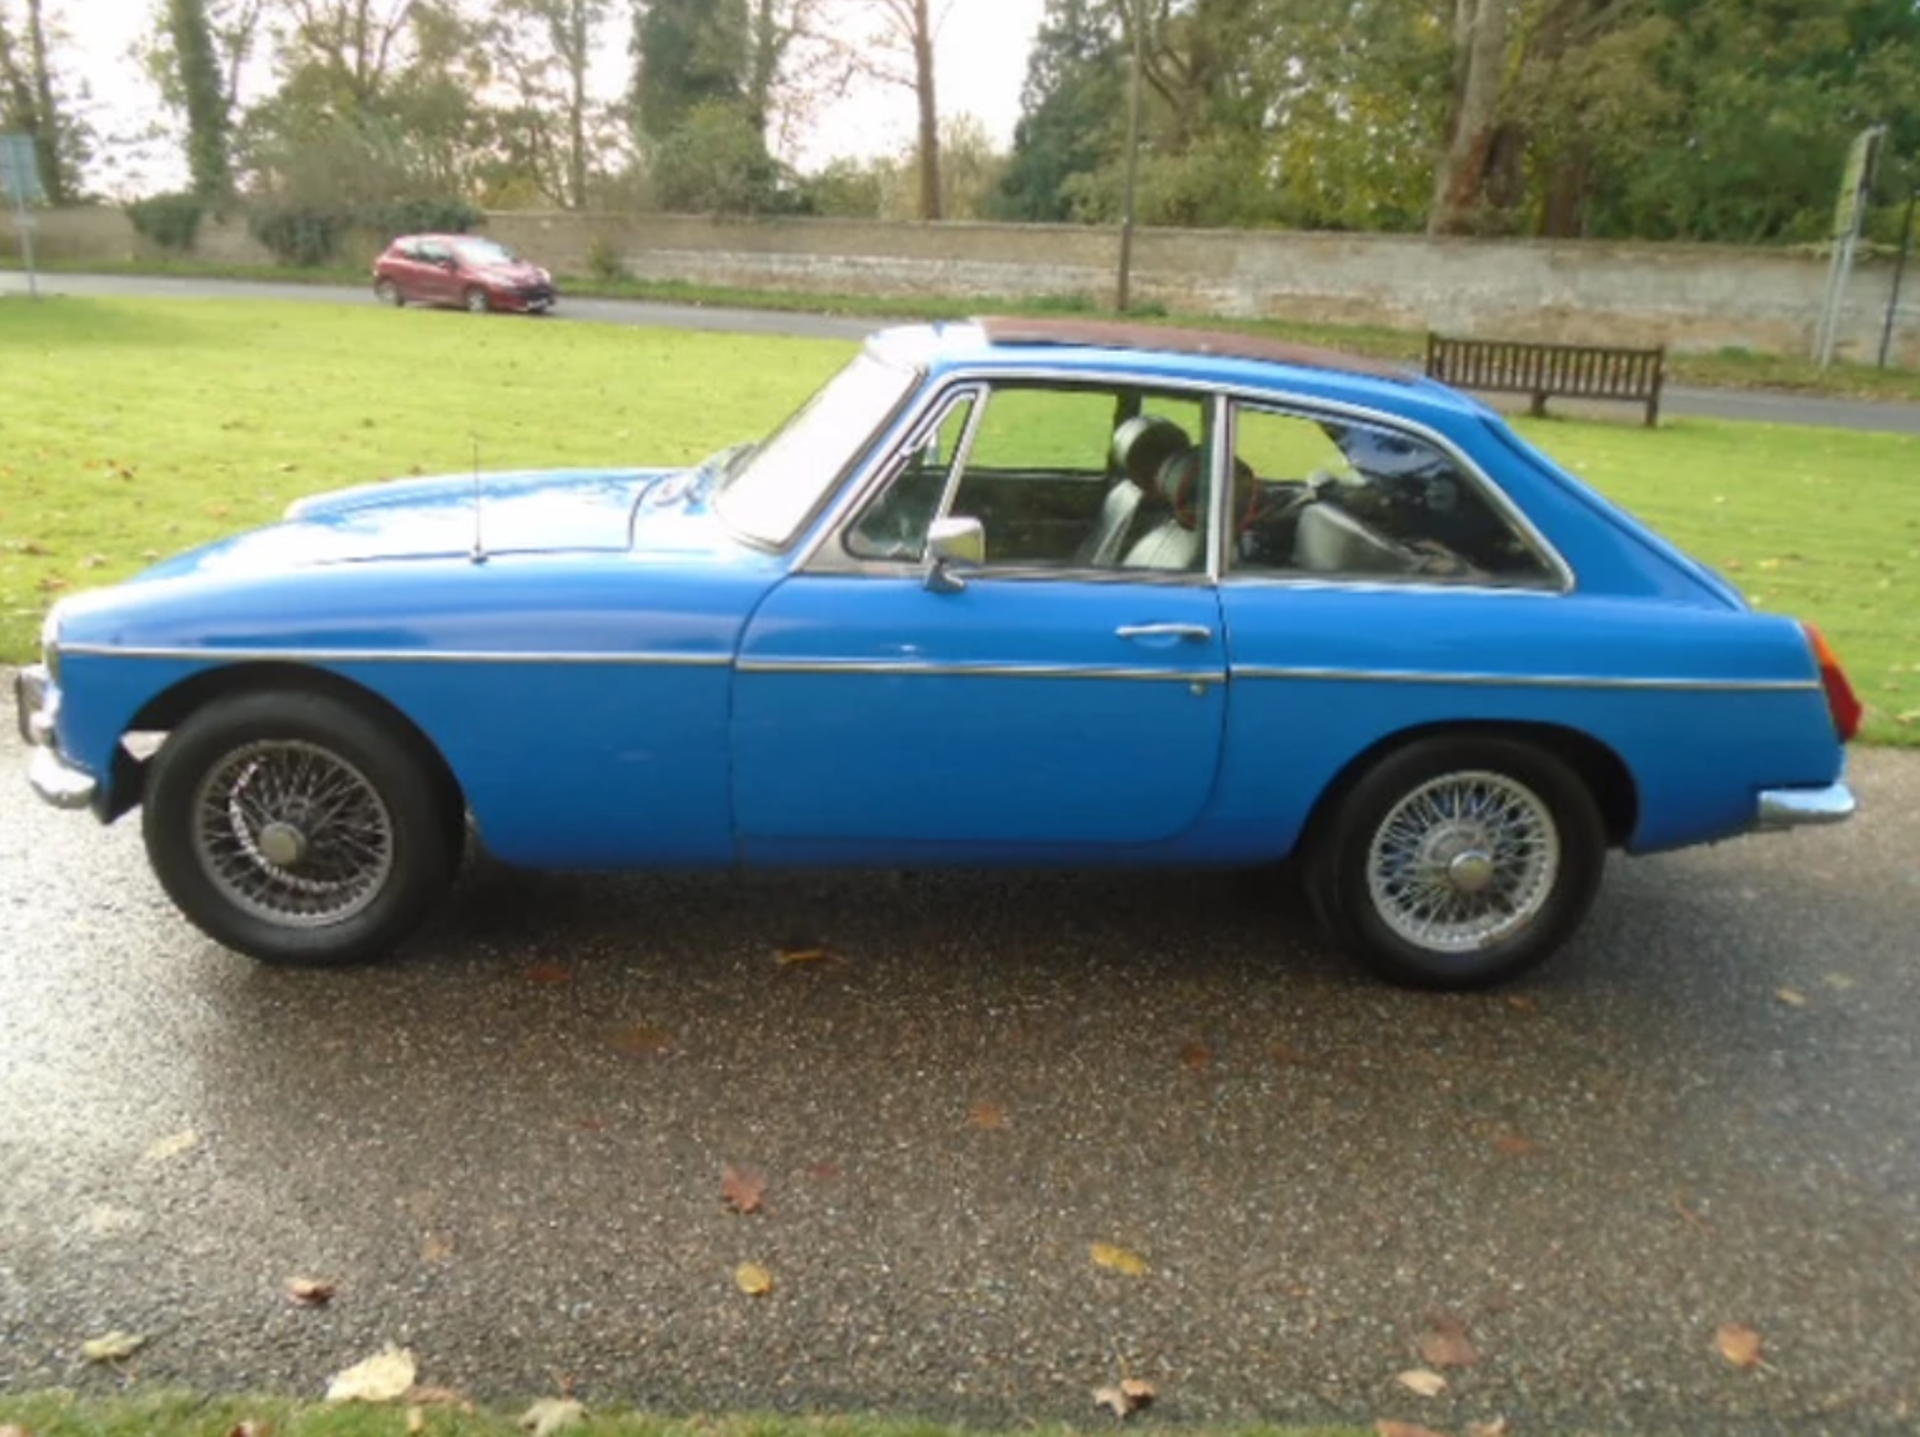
(464, 270)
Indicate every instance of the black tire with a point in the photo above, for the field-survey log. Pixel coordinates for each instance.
(476, 300)
(387, 292)
(1457, 862)
(233, 834)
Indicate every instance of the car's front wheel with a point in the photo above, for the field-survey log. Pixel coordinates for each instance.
(1458, 861)
(296, 828)
(387, 292)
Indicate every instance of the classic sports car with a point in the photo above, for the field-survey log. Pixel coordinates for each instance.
(1002, 593)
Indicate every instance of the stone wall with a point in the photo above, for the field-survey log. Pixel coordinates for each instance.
(1689, 297)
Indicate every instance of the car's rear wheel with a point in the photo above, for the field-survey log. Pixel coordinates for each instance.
(297, 829)
(476, 300)
(1457, 861)
(387, 292)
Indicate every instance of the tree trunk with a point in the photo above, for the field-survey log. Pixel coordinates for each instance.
(930, 206)
(1479, 54)
(46, 129)
(577, 59)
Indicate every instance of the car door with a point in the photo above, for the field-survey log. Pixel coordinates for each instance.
(1043, 699)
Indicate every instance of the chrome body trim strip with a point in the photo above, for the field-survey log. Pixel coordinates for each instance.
(965, 670)
(1777, 809)
(1535, 681)
(58, 782)
(393, 656)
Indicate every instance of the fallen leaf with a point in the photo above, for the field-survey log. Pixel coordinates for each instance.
(1125, 1397)
(1387, 1427)
(1118, 1259)
(753, 1279)
(1792, 997)
(1445, 1342)
(640, 1040)
(250, 1427)
(988, 1116)
(1515, 1146)
(1522, 1002)
(436, 1247)
(12, 1431)
(787, 957)
(438, 1397)
(1422, 1382)
(742, 1188)
(116, 1346)
(1495, 1428)
(823, 1172)
(416, 1421)
(549, 973)
(1739, 1343)
(1195, 1056)
(1839, 982)
(1288, 1056)
(384, 1377)
(309, 1291)
(552, 1414)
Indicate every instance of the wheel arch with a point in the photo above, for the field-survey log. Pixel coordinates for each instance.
(1604, 773)
(172, 707)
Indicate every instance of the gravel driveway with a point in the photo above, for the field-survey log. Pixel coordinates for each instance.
(507, 1148)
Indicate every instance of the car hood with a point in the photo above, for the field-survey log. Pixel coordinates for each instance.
(534, 512)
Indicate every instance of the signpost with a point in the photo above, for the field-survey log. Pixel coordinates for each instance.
(20, 178)
(1849, 209)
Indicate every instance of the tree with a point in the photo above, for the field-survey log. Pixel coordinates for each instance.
(33, 101)
(1072, 115)
(894, 41)
(203, 97)
(687, 53)
(548, 45)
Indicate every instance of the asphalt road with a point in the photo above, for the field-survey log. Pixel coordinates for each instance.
(1678, 400)
(507, 1147)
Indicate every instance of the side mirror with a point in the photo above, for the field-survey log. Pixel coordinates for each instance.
(953, 544)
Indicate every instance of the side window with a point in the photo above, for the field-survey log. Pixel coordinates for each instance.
(1058, 477)
(1071, 478)
(894, 525)
(1317, 496)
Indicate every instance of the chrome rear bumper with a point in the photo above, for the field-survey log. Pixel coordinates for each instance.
(51, 776)
(1781, 808)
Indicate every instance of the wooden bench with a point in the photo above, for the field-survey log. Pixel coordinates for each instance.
(1571, 371)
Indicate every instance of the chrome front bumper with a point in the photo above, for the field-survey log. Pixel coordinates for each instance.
(52, 777)
(1782, 808)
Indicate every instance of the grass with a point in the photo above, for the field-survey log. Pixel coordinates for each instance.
(60, 1414)
(135, 428)
(1724, 369)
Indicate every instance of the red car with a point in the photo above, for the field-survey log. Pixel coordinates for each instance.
(476, 274)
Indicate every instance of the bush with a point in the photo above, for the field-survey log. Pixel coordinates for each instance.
(415, 216)
(304, 235)
(170, 221)
(604, 261)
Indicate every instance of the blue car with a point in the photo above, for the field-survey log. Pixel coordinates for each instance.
(1010, 592)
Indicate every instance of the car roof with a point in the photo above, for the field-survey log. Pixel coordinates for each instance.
(1212, 357)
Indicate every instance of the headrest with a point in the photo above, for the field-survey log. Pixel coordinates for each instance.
(1182, 482)
(1142, 444)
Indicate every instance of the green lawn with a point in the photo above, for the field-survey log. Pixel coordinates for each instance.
(129, 429)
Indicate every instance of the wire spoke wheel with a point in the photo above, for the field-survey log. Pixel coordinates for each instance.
(292, 833)
(1463, 862)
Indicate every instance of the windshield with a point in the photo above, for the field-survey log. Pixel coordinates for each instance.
(483, 251)
(769, 495)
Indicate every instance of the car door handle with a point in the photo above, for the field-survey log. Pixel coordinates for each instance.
(1198, 633)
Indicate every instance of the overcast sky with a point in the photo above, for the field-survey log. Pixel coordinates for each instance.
(982, 58)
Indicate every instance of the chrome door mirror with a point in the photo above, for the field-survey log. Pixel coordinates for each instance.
(953, 544)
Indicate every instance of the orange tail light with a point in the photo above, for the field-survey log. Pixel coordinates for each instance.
(1842, 702)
